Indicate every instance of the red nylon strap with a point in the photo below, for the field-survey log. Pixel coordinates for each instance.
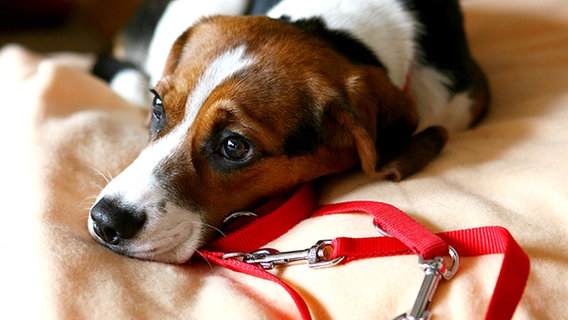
(469, 242)
(514, 271)
(269, 227)
(392, 220)
(410, 237)
(252, 270)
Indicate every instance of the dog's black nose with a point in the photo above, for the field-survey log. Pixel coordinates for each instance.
(113, 222)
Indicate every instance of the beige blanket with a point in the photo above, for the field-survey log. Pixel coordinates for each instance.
(64, 133)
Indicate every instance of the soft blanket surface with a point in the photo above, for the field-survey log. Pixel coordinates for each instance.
(64, 133)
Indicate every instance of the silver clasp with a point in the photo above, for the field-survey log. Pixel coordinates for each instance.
(434, 270)
(317, 256)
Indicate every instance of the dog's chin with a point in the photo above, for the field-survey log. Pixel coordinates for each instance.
(178, 255)
(167, 249)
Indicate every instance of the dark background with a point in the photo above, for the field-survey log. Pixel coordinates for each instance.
(63, 25)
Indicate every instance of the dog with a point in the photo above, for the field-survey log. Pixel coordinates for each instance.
(246, 108)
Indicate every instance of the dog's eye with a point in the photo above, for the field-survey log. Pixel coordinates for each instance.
(157, 108)
(236, 148)
(158, 114)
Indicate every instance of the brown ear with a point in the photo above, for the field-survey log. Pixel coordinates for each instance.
(382, 123)
(413, 154)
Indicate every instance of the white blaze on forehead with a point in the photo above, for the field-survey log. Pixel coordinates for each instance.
(218, 71)
(222, 68)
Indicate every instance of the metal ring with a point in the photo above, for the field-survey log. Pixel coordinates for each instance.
(445, 272)
(238, 214)
(455, 266)
(381, 230)
(320, 258)
(237, 255)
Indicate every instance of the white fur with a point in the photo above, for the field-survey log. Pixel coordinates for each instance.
(427, 87)
(173, 236)
(382, 25)
(179, 15)
(389, 31)
(223, 66)
(131, 85)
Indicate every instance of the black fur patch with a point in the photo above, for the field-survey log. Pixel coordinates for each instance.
(138, 31)
(106, 67)
(443, 41)
(305, 137)
(258, 7)
(341, 41)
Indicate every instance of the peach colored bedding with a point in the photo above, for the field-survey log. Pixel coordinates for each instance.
(64, 133)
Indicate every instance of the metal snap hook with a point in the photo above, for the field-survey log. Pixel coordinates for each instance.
(434, 270)
(317, 256)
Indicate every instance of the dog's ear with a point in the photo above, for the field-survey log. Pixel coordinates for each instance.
(381, 120)
(402, 157)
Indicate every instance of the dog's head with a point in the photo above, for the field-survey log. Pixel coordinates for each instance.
(248, 108)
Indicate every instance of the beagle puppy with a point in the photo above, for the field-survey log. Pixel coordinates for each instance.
(246, 108)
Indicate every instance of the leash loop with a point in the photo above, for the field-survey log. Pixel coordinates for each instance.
(317, 256)
(434, 270)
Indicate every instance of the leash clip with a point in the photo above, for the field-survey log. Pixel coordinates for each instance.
(434, 270)
(317, 256)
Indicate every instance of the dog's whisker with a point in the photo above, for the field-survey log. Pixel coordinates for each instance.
(107, 176)
(88, 201)
(204, 258)
(210, 226)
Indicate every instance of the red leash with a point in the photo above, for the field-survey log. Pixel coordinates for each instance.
(408, 237)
